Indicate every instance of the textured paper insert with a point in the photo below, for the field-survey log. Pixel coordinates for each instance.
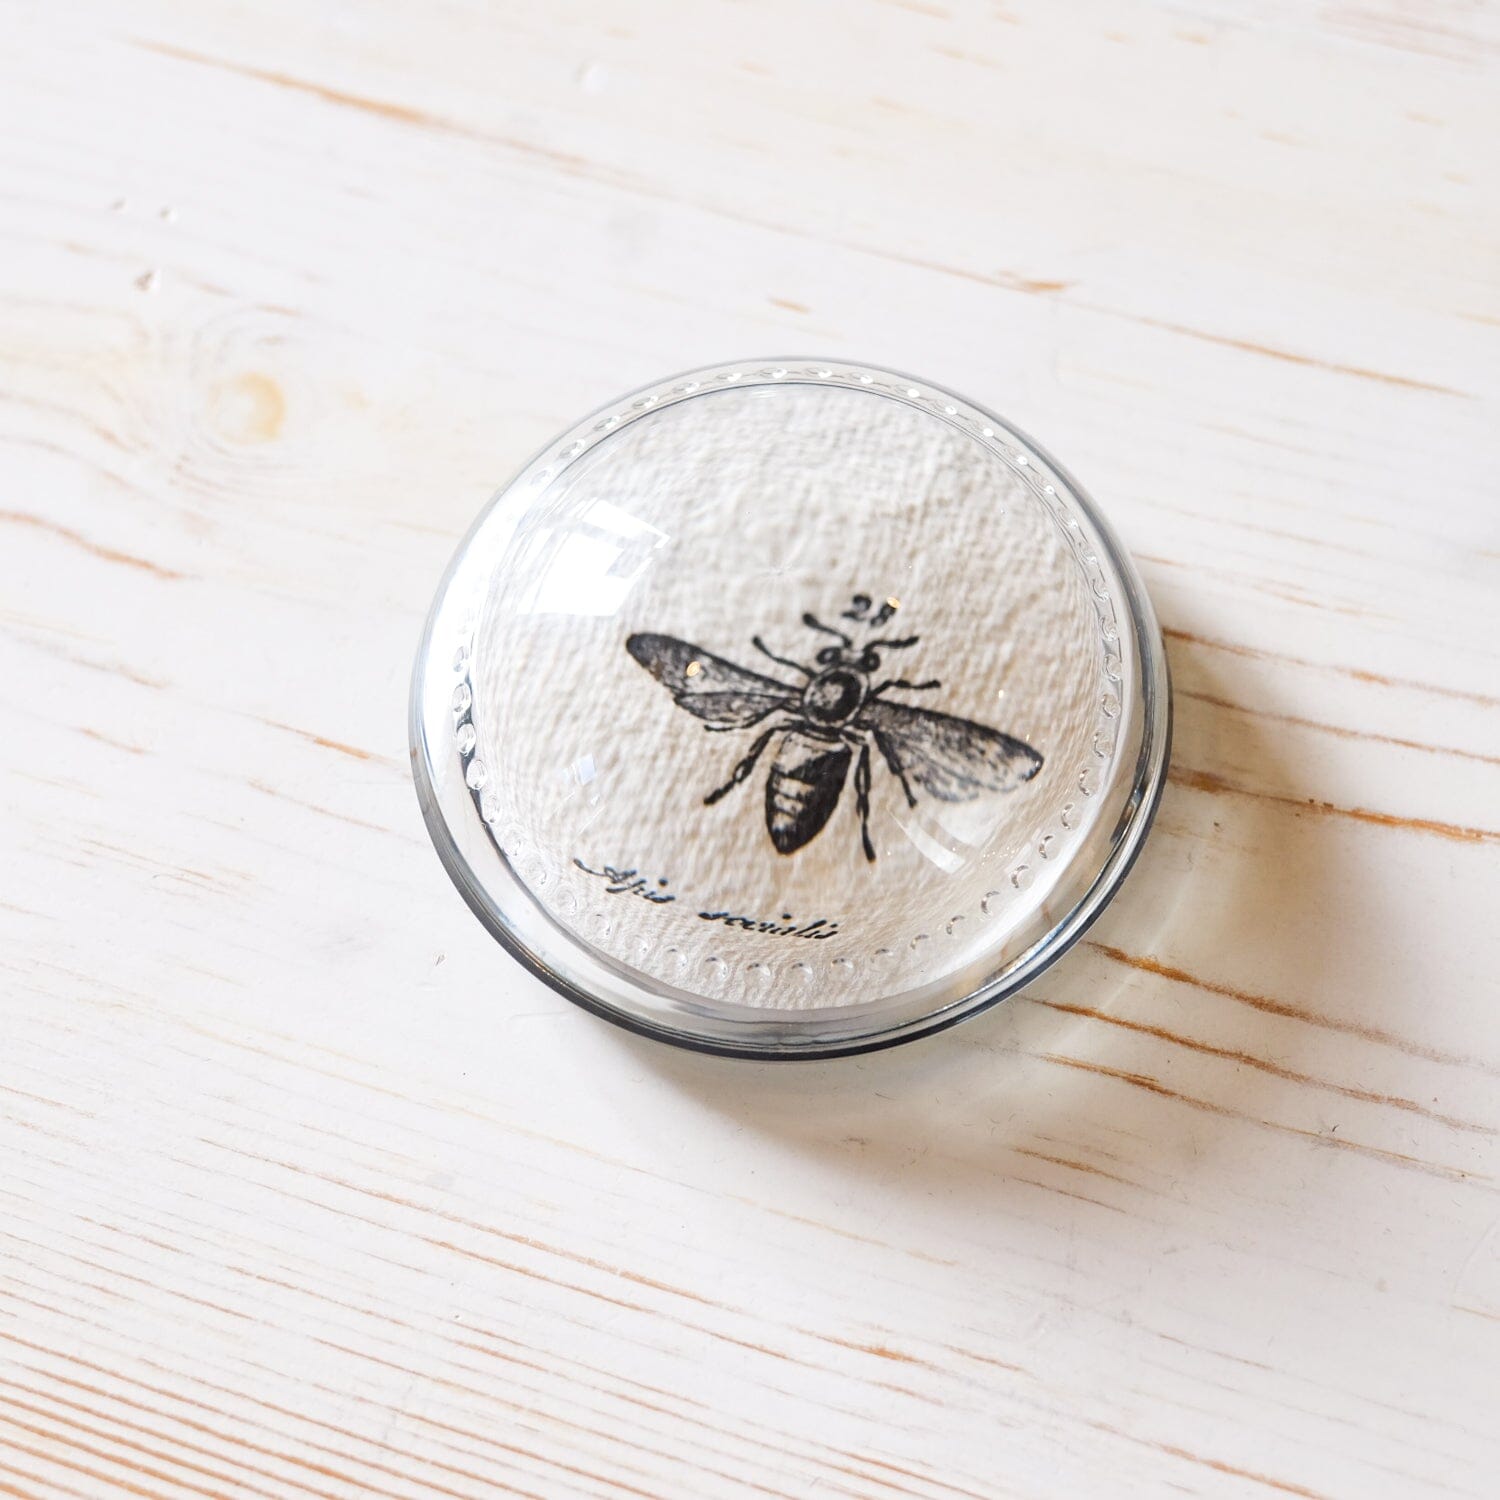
(727, 517)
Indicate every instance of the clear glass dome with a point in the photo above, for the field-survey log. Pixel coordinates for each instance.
(788, 710)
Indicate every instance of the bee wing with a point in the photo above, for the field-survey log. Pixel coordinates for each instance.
(708, 687)
(953, 759)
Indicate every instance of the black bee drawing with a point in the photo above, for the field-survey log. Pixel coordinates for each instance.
(831, 718)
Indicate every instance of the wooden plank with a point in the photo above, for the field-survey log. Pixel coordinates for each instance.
(309, 1192)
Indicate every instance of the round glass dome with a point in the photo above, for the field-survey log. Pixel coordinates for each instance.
(788, 710)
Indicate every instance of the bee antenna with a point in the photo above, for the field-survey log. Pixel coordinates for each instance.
(901, 645)
(814, 623)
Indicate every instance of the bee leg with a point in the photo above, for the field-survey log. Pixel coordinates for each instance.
(862, 798)
(896, 768)
(901, 682)
(744, 768)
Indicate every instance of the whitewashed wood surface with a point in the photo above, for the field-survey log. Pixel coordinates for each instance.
(307, 1190)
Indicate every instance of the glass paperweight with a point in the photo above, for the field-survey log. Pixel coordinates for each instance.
(786, 710)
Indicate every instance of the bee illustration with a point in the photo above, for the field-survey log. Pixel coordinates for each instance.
(830, 719)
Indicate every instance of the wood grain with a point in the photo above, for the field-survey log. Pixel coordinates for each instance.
(308, 1191)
